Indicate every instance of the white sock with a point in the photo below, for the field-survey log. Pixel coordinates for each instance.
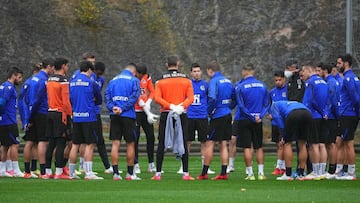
(351, 169)
(81, 164)
(15, 166)
(231, 161)
(151, 165)
(72, 168)
(9, 166)
(282, 165)
(2, 167)
(58, 171)
(316, 167)
(185, 173)
(322, 168)
(339, 168)
(88, 167)
(158, 173)
(48, 171)
(278, 164)
(249, 171)
(261, 169)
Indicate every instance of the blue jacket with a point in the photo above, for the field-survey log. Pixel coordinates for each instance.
(8, 93)
(221, 97)
(333, 103)
(252, 98)
(84, 95)
(316, 96)
(23, 102)
(123, 91)
(37, 95)
(98, 80)
(278, 94)
(281, 109)
(349, 94)
(198, 109)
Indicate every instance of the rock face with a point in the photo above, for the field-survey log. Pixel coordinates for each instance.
(265, 33)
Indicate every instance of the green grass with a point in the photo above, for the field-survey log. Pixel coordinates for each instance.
(172, 189)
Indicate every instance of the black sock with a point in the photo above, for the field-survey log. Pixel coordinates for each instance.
(301, 172)
(33, 165)
(65, 161)
(288, 171)
(42, 169)
(116, 169)
(345, 168)
(204, 170)
(223, 170)
(27, 167)
(332, 168)
(130, 170)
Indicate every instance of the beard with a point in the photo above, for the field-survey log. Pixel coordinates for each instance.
(342, 69)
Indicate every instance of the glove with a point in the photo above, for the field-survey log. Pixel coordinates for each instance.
(141, 103)
(148, 104)
(178, 109)
(151, 118)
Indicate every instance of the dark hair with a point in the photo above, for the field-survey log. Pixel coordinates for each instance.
(87, 55)
(321, 64)
(13, 71)
(99, 66)
(249, 66)
(214, 65)
(292, 63)
(59, 62)
(47, 62)
(36, 67)
(279, 73)
(85, 66)
(141, 68)
(346, 58)
(172, 60)
(194, 65)
(328, 67)
(131, 64)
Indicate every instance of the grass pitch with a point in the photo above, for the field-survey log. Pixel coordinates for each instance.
(172, 189)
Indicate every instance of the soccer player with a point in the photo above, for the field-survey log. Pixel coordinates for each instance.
(253, 101)
(221, 96)
(30, 172)
(315, 98)
(294, 120)
(144, 118)
(197, 112)
(9, 132)
(174, 93)
(121, 95)
(84, 95)
(99, 69)
(331, 123)
(278, 93)
(36, 117)
(295, 86)
(349, 116)
(59, 110)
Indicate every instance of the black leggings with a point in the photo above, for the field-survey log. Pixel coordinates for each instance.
(59, 143)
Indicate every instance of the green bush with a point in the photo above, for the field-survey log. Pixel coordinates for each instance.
(88, 11)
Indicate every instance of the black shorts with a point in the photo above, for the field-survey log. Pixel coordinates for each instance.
(318, 132)
(200, 126)
(85, 133)
(235, 128)
(122, 127)
(298, 125)
(348, 125)
(220, 128)
(275, 134)
(37, 130)
(55, 127)
(250, 134)
(332, 130)
(9, 135)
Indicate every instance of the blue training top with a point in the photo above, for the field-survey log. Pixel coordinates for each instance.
(316, 96)
(198, 109)
(333, 102)
(8, 93)
(349, 95)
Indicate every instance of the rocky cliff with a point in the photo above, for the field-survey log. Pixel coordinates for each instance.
(265, 33)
